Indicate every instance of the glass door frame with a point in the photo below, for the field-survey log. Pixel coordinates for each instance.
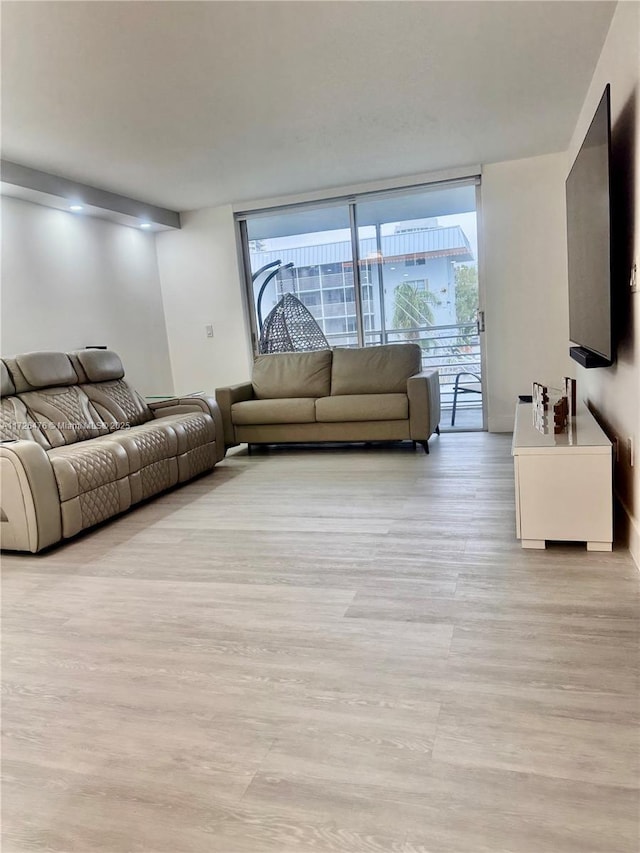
(481, 308)
(357, 282)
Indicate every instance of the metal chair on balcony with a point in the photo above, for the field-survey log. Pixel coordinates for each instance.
(471, 386)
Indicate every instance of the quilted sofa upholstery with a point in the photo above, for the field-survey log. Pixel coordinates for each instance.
(80, 445)
(370, 394)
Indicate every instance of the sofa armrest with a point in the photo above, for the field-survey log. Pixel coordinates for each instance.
(423, 391)
(193, 403)
(29, 502)
(226, 397)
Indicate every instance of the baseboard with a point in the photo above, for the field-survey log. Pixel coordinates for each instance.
(628, 530)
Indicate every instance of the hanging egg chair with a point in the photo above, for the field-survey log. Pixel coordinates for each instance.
(290, 327)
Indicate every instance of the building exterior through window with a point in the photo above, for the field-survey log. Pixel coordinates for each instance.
(422, 258)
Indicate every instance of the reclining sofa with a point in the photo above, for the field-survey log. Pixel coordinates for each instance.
(341, 395)
(78, 445)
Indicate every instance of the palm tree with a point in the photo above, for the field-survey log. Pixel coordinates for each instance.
(412, 310)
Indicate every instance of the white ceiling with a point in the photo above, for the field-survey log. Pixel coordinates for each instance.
(192, 104)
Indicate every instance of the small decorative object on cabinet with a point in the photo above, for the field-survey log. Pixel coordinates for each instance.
(563, 406)
(560, 415)
(570, 394)
(540, 395)
(563, 482)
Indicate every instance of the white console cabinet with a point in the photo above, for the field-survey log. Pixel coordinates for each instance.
(563, 483)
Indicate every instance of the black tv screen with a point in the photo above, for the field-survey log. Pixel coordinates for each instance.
(589, 243)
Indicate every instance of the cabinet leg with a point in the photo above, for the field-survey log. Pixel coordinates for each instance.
(540, 544)
(599, 546)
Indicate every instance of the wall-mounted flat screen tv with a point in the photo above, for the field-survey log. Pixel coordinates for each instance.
(588, 191)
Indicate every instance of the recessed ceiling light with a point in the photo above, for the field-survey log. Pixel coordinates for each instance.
(145, 225)
(76, 208)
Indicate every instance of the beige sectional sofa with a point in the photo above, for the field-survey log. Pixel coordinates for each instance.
(341, 395)
(79, 445)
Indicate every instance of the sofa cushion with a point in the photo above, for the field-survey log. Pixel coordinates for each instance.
(362, 407)
(92, 483)
(147, 444)
(292, 374)
(298, 410)
(152, 450)
(16, 423)
(192, 429)
(196, 435)
(6, 385)
(20, 384)
(83, 467)
(100, 365)
(65, 414)
(43, 369)
(374, 370)
(117, 403)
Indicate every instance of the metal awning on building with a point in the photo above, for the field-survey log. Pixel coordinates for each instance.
(431, 243)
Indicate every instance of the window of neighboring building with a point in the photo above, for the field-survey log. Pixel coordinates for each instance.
(309, 298)
(306, 272)
(418, 284)
(333, 295)
(335, 325)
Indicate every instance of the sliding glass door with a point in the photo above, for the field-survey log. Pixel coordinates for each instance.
(418, 255)
(375, 269)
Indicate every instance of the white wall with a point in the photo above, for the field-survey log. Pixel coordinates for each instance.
(613, 392)
(524, 276)
(201, 285)
(69, 281)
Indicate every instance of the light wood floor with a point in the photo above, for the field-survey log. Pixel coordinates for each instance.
(323, 651)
